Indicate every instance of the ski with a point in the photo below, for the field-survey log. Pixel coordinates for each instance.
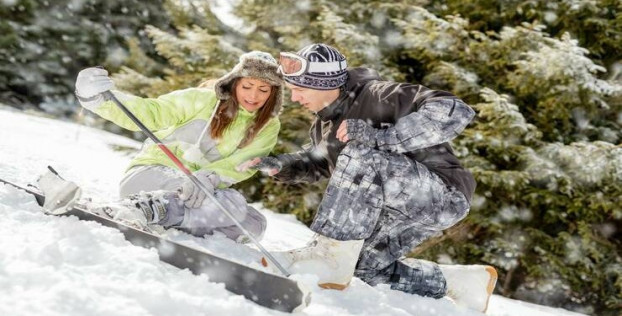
(265, 289)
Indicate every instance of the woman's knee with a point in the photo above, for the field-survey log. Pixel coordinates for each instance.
(456, 210)
(254, 223)
(149, 178)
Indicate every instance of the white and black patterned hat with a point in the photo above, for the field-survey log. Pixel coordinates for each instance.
(320, 80)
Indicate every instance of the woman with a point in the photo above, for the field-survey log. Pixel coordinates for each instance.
(211, 130)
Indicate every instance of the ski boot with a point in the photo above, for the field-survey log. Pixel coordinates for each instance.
(60, 194)
(144, 209)
(470, 285)
(332, 260)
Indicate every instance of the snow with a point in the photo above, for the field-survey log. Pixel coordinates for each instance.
(223, 10)
(64, 266)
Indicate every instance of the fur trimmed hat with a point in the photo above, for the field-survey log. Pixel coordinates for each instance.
(257, 65)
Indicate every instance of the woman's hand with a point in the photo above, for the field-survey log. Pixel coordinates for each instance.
(90, 85)
(194, 196)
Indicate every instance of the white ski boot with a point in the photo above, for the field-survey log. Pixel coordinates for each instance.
(470, 285)
(332, 260)
(60, 194)
(143, 210)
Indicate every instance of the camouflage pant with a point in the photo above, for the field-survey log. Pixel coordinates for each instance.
(394, 203)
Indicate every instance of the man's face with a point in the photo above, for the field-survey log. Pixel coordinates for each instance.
(312, 100)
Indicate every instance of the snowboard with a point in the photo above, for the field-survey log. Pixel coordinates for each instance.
(266, 289)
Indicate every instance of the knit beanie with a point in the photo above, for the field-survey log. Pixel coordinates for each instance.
(320, 80)
(256, 65)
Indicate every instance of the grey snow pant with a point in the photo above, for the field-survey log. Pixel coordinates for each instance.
(394, 204)
(199, 221)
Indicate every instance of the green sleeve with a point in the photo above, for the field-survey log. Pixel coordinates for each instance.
(261, 146)
(158, 113)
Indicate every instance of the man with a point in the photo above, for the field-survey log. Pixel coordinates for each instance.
(394, 180)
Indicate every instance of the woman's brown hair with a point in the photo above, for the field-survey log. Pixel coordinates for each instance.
(227, 110)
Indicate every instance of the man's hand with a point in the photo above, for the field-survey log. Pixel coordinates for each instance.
(192, 195)
(267, 165)
(357, 130)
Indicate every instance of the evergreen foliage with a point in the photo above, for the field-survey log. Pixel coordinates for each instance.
(596, 24)
(43, 45)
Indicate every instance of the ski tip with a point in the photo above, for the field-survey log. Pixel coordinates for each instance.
(491, 284)
(54, 171)
(493, 279)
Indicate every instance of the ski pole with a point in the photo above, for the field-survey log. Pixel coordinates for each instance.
(108, 95)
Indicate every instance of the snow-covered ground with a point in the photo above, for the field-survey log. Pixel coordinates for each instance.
(62, 266)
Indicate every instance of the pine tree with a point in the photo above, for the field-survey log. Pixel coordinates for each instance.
(196, 50)
(542, 154)
(597, 25)
(45, 44)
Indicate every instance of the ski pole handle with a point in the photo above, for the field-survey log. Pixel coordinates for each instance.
(110, 96)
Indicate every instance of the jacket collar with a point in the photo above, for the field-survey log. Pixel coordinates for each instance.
(357, 79)
(334, 109)
(243, 113)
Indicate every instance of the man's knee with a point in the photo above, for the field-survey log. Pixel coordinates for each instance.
(355, 162)
(456, 210)
(357, 151)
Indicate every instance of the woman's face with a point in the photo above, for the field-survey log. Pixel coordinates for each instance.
(252, 93)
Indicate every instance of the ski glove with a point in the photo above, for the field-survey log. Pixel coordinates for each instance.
(359, 130)
(90, 84)
(267, 165)
(192, 195)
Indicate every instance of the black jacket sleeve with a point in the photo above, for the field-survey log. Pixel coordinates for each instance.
(305, 166)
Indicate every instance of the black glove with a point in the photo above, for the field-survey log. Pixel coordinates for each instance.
(267, 165)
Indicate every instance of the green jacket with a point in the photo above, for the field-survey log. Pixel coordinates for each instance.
(178, 119)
